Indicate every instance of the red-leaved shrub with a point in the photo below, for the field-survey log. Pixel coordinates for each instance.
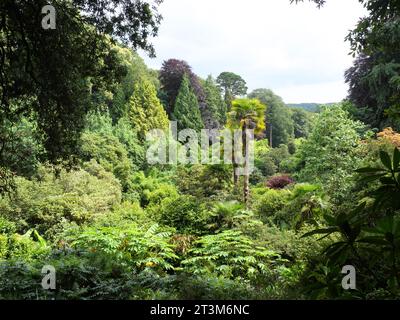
(279, 182)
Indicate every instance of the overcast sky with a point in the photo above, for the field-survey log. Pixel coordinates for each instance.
(298, 51)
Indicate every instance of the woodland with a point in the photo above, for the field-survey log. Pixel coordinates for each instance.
(77, 192)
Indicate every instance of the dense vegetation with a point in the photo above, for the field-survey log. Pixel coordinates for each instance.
(77, 192)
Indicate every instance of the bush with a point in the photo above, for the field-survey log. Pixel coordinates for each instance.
(213, 287)
(185, 213)
(279, 182)
(50, 199)
(130, 246)
(229, 254)
(210, 181)
(267, 205)
(151, 189)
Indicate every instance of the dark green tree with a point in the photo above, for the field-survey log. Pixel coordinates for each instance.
(215, 104)
(186, 111)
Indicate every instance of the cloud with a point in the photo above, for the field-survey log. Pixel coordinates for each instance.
(296, 50)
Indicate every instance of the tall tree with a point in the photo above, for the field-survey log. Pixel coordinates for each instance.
(232, 85)
(215, 104)
(302, 120)
(278, 117)
(329, 155)
(145, 109)
(171, 76)
(134, 70)
(186, 111)
(246, 114)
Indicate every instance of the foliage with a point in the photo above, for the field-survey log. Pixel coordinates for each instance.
(134, 70)
(232, 85)
(263, 160)
(57, 196)
(22, 145)
(279, 182)
(388, 134)
(302, 121)
(185, 213)
(368, 240)
(186, 110)
(130, 246)
(145, 110)
(230, 254)
(216, 105)
(60, 71)
(329, 156)
(278, 117)
(109, 153)
(268, 203)
(171, 76)
(204, 181)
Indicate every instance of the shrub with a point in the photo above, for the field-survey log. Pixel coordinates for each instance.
(268, 204)
(279, 182)
(130, 246)
(212, 287)
(50, 199)
(205, 181)
(232, 255)
(185, 213)
(151, 189)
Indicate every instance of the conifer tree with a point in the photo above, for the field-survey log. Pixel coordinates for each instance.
(215, 104)
(186, 111)
(145, 109)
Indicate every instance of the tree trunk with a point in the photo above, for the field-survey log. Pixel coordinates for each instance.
(270, 135)
(235, 176)
(246, 177)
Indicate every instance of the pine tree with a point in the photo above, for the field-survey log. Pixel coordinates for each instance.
(186, 111)
(215, 104)
(145, 109)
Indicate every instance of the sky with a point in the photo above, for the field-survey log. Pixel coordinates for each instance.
(298, 51)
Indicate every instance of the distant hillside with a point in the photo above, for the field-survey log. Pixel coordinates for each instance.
(311, 107)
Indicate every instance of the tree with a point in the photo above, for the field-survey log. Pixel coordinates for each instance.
(186, 111)
(145, 109)
(245, 115)
(232, 85)
(329, 156)
(134, 70)
(59, 69)
(278, 117)
(302, 122)
(171, 76)
(215, 104)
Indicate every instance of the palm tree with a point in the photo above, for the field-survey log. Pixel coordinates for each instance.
(246, 114)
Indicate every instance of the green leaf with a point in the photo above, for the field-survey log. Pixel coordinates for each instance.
(386, 161)
(373, 240)
(321, 231)
(387, 181)
(369, 170)
(396, 159)
(374, 177)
